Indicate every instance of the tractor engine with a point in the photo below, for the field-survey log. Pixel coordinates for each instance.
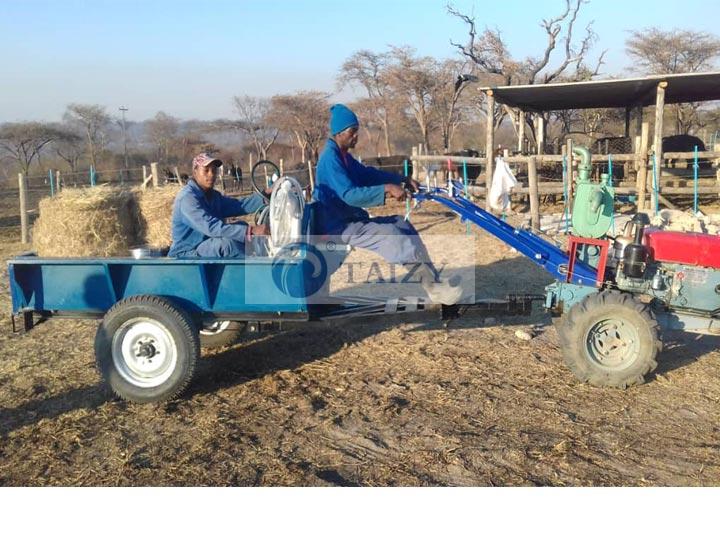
(679, 271)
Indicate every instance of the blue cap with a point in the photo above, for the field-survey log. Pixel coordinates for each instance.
(341, 118)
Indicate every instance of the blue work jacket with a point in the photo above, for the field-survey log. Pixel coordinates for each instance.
(198, 216)
(344, 187)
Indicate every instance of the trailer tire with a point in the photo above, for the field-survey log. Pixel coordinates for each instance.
(610, 339)
(221, 334)
(146, 349)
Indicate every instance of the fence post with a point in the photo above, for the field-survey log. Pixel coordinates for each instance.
(312, 177)
(155, 175)
(57, 182)
(533, 193)
(250, 163)
(416, 169)
(51, 178)
(177, 175)
(571, 173)
(282, 167)
(642, 152)
(22, 187)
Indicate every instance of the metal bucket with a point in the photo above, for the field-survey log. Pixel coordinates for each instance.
(145, 252)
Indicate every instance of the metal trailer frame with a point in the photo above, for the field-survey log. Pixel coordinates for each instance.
(235, 289)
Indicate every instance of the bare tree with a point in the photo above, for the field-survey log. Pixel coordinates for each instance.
(448, 105)
(94, 122)
(305, 116)
(69, 146)
(412, 78)
(676, 51)
(254, 121)
(490, 54)
(24, 141)
(162, 131)
(370, 70)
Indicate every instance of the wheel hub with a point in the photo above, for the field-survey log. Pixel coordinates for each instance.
(613, 343)
(144, 352)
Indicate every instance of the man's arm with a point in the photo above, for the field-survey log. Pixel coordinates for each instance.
(230, 207)
(347, 190)
(200, 220)
(370, 176)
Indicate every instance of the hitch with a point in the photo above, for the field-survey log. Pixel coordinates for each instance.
(28, 322)
(513, 305)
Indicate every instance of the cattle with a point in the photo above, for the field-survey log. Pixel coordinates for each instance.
(394, 164)
(685, 143)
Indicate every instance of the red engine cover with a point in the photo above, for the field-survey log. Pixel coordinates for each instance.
(680, 247)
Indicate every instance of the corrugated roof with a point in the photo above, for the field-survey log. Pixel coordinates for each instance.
(613, 93)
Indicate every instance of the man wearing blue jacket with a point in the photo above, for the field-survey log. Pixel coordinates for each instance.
(345, 187)
(198, 227)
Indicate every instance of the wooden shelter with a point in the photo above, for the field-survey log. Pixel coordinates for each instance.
(630, 94)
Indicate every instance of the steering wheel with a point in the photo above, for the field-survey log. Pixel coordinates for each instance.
(268, 168)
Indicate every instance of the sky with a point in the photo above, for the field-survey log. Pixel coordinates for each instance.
(189, 58)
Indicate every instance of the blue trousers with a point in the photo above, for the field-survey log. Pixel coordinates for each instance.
(391, 237)
(220, 247)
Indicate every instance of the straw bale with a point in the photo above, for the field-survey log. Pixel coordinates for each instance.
(156, 206)
(86, 222)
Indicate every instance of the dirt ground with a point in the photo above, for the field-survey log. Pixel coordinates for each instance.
(363, 402)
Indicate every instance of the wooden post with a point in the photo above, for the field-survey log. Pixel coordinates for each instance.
(155, 175)
(415, 164)
(282, 167)
(570, 172)
(541, 135)
(627, 121)
(312, 177)
(250, 163)
(642, 152)
(57, 182)
(533, 193)
(638, 120)
(521, 131)
(177, 175)
(489, 145)
(22, 189)
(657, 139)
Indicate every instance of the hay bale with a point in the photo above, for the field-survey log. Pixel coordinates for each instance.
(86, 222)
(156, 206)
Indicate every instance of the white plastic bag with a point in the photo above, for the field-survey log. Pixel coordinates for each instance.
(502, 183)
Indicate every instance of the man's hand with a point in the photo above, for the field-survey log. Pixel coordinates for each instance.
(259, 230)
(396, 192)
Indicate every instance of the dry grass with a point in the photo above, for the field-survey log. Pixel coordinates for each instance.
(156, 207)
(86, 222)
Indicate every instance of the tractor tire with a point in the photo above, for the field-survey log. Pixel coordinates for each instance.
(610, 339)
(221, 334)
(146, 349)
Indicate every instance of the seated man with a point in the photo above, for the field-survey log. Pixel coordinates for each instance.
(198, 229)
(345, 186)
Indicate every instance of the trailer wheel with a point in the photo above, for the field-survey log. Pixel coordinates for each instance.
(610, 339)
(146, 349)
(220, 333)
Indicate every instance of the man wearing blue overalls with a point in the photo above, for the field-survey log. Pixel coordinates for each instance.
(198, 226)
(345, 187)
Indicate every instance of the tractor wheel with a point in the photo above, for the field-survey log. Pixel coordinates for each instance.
(146, 349)
(220, 334)
(610, 339)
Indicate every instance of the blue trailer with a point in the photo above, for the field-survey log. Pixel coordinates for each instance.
(157, 312)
